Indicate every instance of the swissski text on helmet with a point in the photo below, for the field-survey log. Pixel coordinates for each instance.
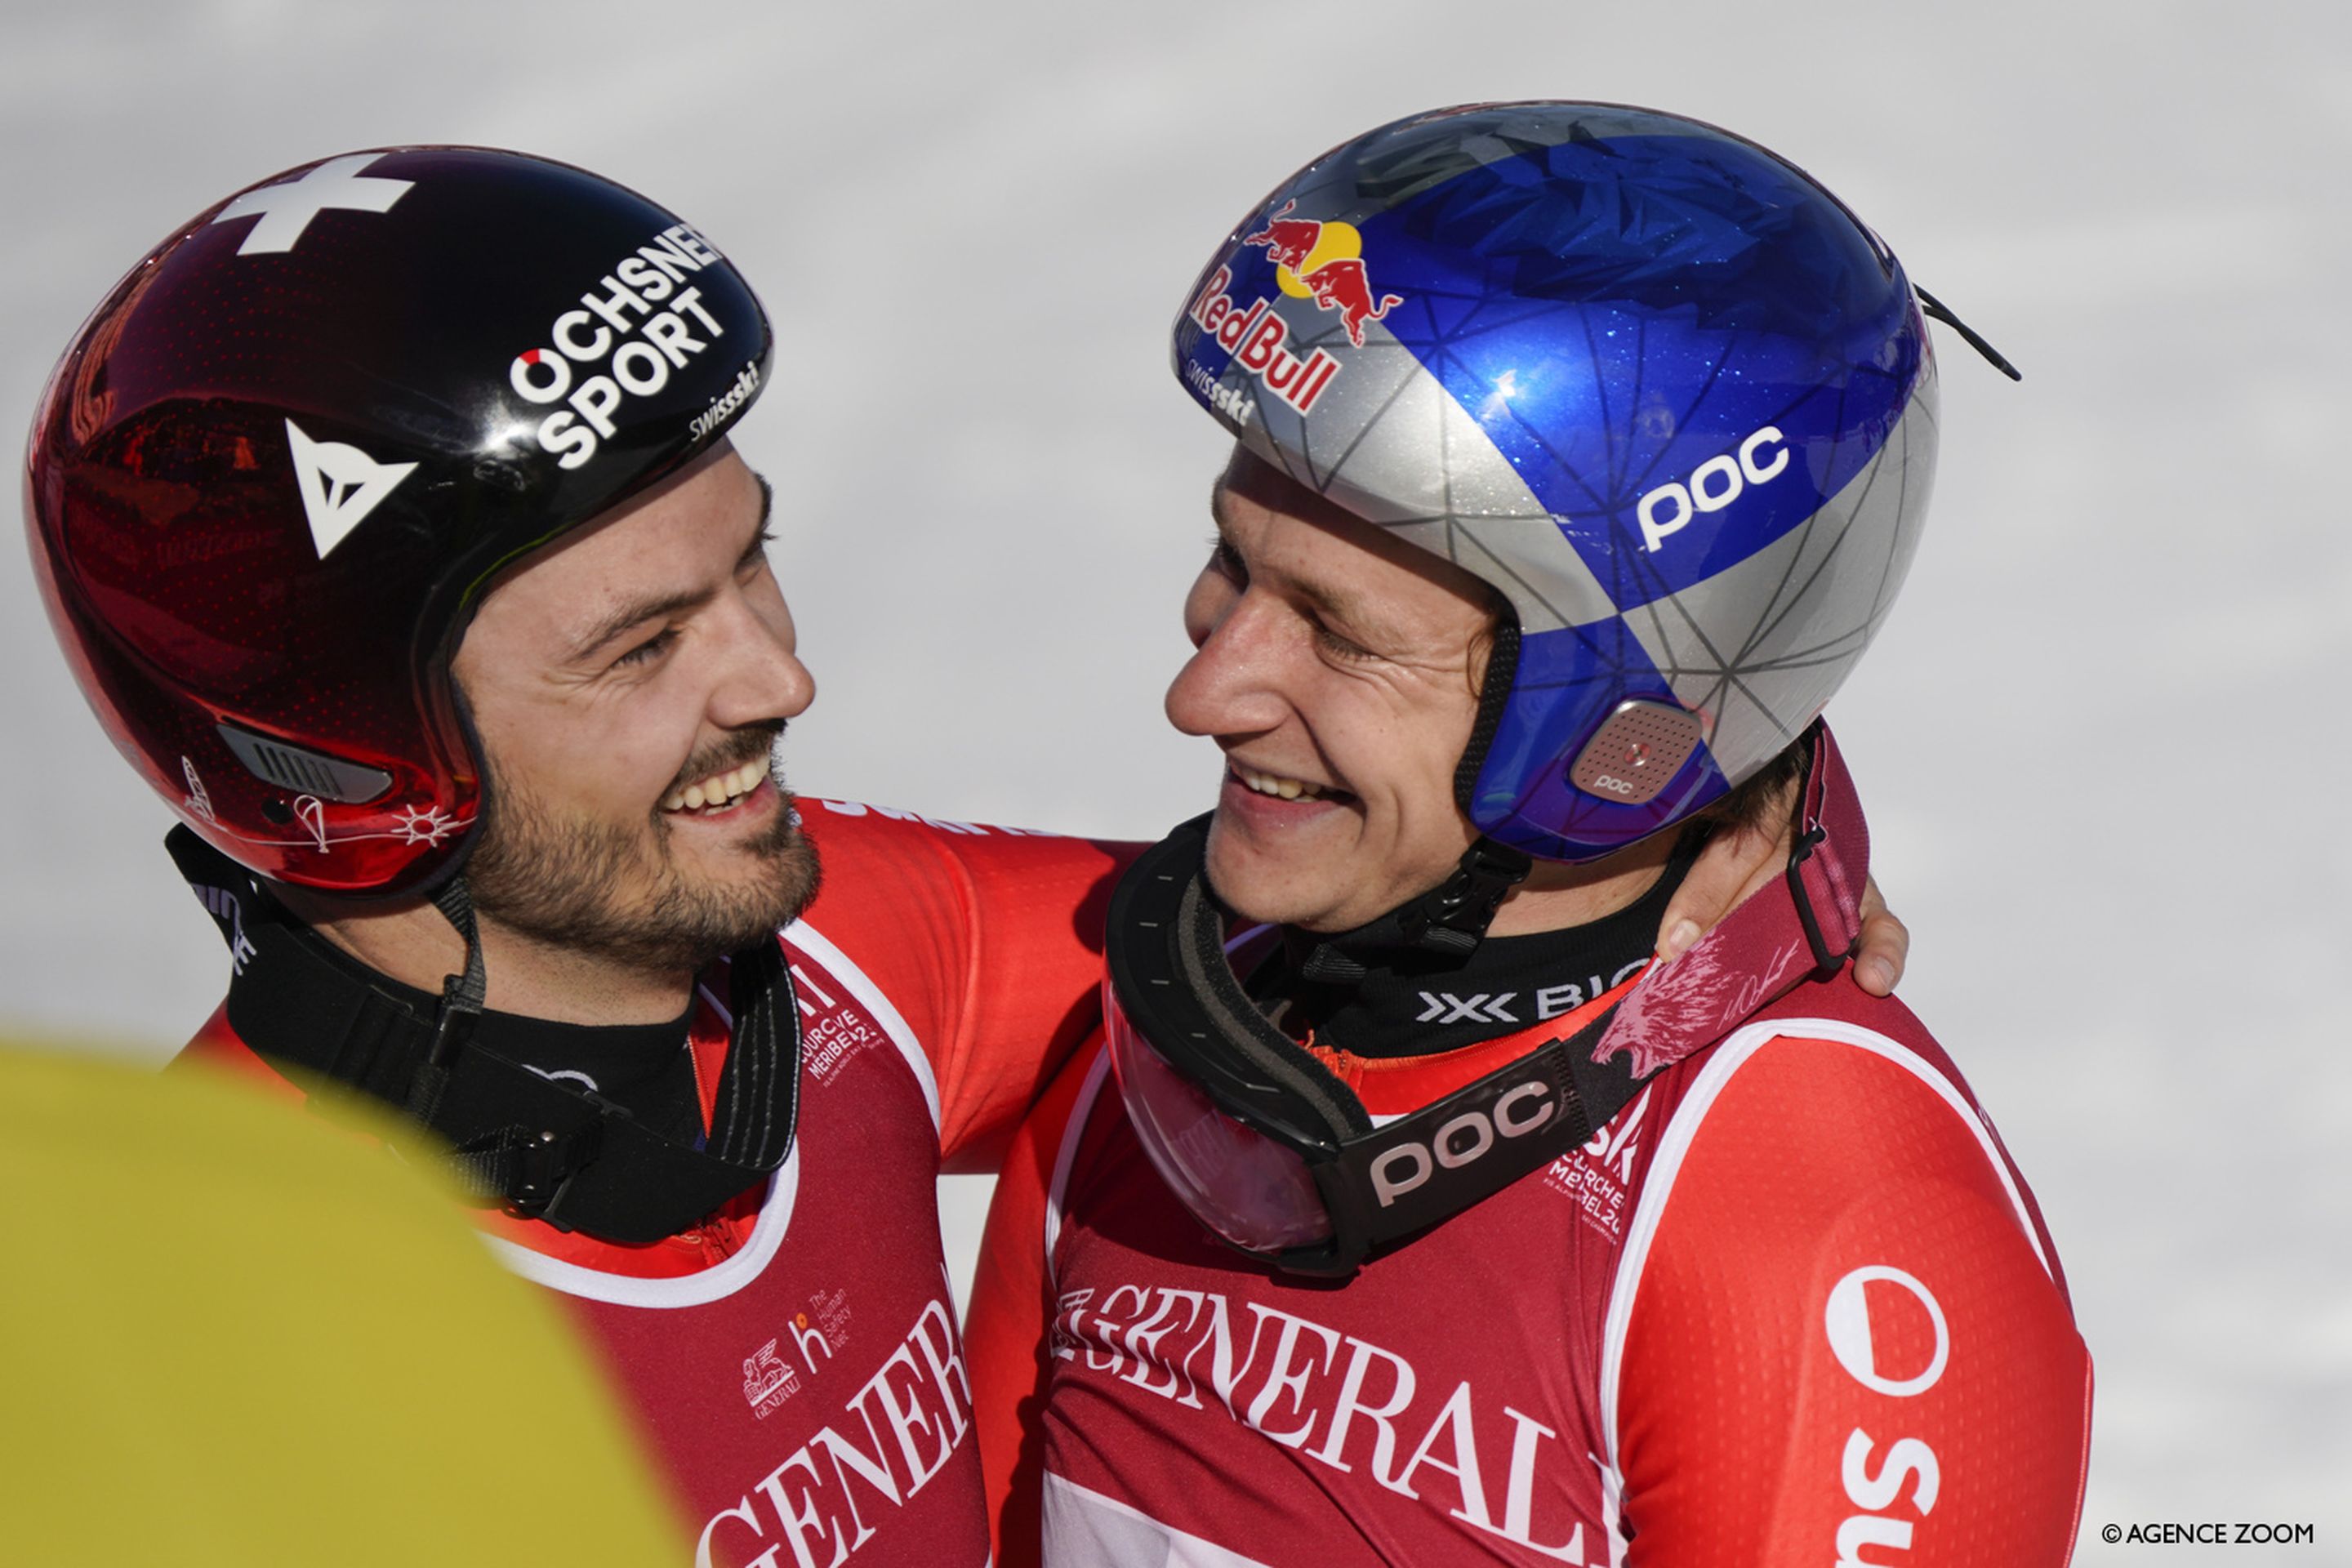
(270, 476)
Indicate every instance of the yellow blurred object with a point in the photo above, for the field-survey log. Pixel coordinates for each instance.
(232, 1335)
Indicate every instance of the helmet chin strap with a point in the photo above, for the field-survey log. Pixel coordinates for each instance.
(461, 1004)
(1447, 922)
(512, 1137)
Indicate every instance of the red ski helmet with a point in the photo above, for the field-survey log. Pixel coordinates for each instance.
(267, 481)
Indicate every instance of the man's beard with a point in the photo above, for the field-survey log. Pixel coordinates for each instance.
(594, 888)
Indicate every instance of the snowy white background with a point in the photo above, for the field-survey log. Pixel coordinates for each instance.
(2103, 788)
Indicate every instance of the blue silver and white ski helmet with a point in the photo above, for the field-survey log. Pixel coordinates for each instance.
(1655, 384)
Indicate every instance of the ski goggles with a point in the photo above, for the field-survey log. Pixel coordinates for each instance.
(1264, 1145)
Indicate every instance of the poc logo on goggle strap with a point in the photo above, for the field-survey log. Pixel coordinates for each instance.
(1465, 1140)
(1714, 485)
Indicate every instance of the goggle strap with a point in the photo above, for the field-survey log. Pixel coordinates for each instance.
(1197, 944)
(1423, 1168)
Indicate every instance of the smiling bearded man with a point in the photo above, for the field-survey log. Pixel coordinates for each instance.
(684, 863)
(1412, 1213)
(388, 517)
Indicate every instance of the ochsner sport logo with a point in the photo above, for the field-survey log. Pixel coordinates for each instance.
(1313, 260)
(623, 346)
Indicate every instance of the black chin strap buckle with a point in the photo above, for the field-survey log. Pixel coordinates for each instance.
(1452, 917)
(544, 1168)
(529, 1173)
(462, 997)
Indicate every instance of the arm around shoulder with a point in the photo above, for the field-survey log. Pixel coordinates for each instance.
(988, 941)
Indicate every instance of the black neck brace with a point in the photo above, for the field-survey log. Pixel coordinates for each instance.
(644, 1069)
(1389, 998)
(545, 1149)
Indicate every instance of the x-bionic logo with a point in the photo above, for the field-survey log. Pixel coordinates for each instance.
(223, 906)
(1444, 1008)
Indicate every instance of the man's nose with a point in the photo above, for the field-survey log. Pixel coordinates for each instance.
(765, 679)
(1231, 685)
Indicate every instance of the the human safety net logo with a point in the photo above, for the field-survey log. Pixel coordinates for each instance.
(641, 322)
(873, 1452)
(1315, 259)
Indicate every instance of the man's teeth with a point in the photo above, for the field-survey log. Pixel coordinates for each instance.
(719, 788)
(1275, 783)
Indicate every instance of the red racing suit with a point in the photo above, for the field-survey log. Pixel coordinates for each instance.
(794, 1362)
(1792, 1304)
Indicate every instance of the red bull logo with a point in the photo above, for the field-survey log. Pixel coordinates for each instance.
(1259, 342)
(1341, 286)
(1324, 262)
(1288, 240)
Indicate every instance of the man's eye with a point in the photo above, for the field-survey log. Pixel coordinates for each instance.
(1229, 564)
(755, 560)
(1338, 646)
(653, 648)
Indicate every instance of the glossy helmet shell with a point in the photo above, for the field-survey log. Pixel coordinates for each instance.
(1653, 383)
(271, 475)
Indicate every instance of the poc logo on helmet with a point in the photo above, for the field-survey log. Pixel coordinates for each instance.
(1714, 485)
(1464, 1140)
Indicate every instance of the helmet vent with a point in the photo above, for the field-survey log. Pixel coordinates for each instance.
(299, 768)
(1636, 753)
